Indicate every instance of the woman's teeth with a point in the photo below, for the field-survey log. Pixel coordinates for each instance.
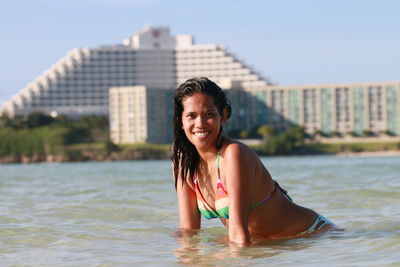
(201, 134)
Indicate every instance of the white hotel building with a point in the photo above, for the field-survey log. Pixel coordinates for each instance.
(134, 84)
(78, 84)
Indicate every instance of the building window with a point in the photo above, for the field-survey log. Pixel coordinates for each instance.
(375, 103)
(310, 106)
(342, 104)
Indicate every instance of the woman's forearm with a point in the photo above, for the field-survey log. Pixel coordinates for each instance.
(239, 235)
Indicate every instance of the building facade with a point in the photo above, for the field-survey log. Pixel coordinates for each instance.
(139, 115)
(353, 108)
(78, 84)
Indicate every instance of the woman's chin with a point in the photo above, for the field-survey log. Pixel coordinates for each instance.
(203, 142)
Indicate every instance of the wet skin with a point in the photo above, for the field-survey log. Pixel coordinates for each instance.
(243, 175)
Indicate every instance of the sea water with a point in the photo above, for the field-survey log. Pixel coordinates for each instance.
(125, 214)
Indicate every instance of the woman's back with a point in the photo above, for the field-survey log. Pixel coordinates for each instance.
(278, 215)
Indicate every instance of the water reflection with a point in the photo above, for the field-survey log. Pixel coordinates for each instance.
(212, 248)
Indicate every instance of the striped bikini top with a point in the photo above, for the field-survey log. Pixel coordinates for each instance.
(221, 209)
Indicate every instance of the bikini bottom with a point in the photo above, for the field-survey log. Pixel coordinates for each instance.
(320, 222)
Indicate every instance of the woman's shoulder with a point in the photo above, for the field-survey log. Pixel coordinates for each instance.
(236, 150)
(241, 160)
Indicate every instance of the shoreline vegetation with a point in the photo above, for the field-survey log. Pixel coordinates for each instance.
(41, 138)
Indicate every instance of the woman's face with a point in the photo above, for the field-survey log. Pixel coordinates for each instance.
(201, 121)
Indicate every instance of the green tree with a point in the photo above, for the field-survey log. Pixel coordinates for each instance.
(285, 143)
(296, 134)
(266, 131)
(16, 122)
(353, 133)
(243, 134)
(368, 133)
(38, 119)
(62, 120)
(111, 147)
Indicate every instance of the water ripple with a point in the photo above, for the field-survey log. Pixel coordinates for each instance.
(125, 213)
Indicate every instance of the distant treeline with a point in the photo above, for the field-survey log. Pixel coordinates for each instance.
(41, 138)
(290, 141)
(295, 141)
(37, 135)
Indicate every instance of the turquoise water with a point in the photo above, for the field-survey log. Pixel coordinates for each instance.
(125, 214)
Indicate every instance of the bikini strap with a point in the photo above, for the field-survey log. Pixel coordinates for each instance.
(217, 164)
(285, 193)
(197, 189)
(217, 160)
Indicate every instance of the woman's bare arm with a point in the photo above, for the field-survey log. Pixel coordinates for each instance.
(189, 215)
(239, 175)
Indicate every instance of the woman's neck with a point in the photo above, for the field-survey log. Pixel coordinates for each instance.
(208, 155)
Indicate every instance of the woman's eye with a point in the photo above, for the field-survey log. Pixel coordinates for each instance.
(210, 114)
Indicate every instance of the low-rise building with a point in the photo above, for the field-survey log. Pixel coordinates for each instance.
(351, 108)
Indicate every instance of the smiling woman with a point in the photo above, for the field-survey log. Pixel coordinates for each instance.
(221, 178)
(201, 121)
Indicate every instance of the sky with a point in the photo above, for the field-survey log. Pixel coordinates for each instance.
(288, 41)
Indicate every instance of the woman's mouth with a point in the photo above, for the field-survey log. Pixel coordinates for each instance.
(201, 134)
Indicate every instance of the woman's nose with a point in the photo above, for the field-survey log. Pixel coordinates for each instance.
(200, 121)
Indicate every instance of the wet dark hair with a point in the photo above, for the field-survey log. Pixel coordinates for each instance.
(184, 154)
